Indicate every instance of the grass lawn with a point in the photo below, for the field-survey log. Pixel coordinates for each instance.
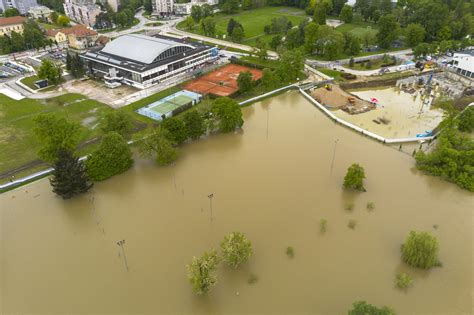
(254, 21)
(359, 28)
(18, 143)
(154, 24)
(337, 75)
(375, 64)
(30, 82)
(48, 26)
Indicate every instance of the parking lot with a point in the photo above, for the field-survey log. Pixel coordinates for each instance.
(11, 70)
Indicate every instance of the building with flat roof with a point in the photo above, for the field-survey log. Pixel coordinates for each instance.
(143, 61)
(21, 5)
(40, 13)
(82, 11)
(11, 24)
(464, 64)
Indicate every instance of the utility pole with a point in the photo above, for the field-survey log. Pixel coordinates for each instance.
(334, 154)
(121, 243)
(210, 196)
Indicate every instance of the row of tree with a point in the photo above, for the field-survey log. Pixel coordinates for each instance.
(236, 249)
(32, 37)
(60, 138)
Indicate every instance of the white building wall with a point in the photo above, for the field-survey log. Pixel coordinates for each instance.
(21, 5)
(464, 64)
(163, 7)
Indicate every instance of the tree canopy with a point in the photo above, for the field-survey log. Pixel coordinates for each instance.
(111, 158)
(202, 272)
(420, 250)
(236, 249)
(364, 308)
(158, 144)
(244, 81)
(228, 114)
(354, 178)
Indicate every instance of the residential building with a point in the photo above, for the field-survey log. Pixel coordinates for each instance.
(163, 7)
(11, 24)
(21, 5)
(40, 13)
(78, 36)
(82, 11)
(463, 64)
(143, 61)
(179, 8)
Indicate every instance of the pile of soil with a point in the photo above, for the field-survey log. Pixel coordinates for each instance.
(338, 98)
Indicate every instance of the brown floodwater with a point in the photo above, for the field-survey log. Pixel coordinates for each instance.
(407, 114)
(61, 256)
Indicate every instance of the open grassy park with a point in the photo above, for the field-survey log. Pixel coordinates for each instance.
(18, 143)
(254, 21)
(359, 29)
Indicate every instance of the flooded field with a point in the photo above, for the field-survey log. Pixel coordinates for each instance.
(274, 184)
(404, 114)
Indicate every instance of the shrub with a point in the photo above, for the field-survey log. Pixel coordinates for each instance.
(354, 178)
(323, 225)
(349, 207)
(352, 224)
(466, 120)
(236, 249)
(370, 206)
(202, 272)
(111, 158)
(290, 252)
(364, 308)
(420, 250)
(252, 279)
(403, 281)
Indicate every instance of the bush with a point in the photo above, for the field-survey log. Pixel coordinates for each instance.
(420, 250)
(202, 272)
(236, 249)
(290, 252)
(403, 281)
(466, 120)
(352, 224)
(364, 308)
(355, 177)
(370, 206)
(349, 207)
(323, 225)
(111, 158)
(252, 279)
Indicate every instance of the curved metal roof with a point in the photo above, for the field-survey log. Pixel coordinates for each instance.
(141, 48)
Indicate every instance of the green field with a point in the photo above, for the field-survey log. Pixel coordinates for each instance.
(18, 143)
(30, 82)
(172, 104)
(359, 28)
(254, 21)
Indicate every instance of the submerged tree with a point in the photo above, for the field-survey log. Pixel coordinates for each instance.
(194, 123)
(158, 143)
(236, 249)
(354, 178)
(364, 308)
(420, 250)
(228, 114)
(177, 129)
(69, 175)
(202, 272)
(111, 158)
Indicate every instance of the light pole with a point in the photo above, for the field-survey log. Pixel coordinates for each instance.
(334, 154)
(210, 196)
(121, 243)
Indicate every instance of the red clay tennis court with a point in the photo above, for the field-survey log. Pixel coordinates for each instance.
(221, 82)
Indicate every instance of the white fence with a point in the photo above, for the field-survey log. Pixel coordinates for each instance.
(358, 129)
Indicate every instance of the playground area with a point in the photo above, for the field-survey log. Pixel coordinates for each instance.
(170, 105)
(221, 82)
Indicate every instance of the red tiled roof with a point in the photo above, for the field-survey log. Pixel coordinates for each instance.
(13, 20)
(79, 30)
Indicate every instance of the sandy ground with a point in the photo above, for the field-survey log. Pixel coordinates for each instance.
(338, 98)
(98, 91)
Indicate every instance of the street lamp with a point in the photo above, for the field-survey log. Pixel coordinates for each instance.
(210, 196)
(121, 243)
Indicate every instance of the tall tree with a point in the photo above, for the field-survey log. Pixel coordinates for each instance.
(177, 129)
(69, 176)
(202, 272)
(414, 34)
(269, 79)
(244, 81)
(111, 158)
(320, 13)
(291, 65)
(346, 14)
(388, 30)
(354, 178)
(11, 12)
(159, 145)
(55, 134)
(194, 123)
(117, 121)
(49, 71)
(420, 250)
(228, 114)
(236, 249)
(208, 26)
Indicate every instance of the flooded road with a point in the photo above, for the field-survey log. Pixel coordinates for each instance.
(405, 114)
(61, 256)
